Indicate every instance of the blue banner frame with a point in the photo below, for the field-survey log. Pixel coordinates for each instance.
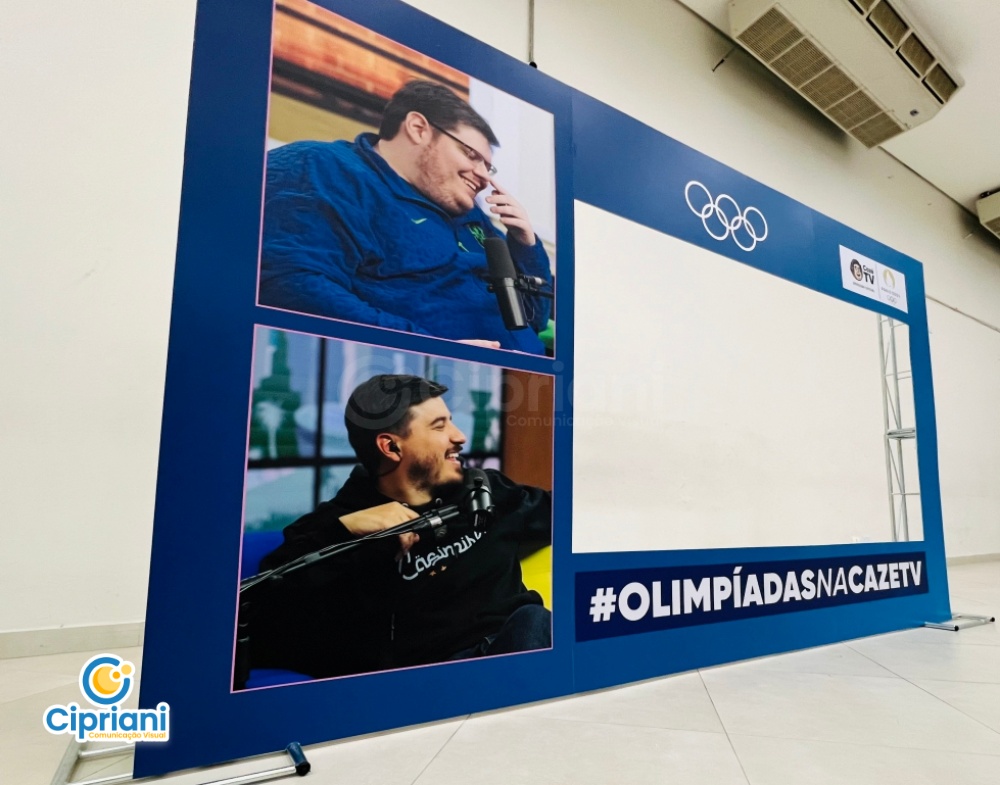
(192, 597)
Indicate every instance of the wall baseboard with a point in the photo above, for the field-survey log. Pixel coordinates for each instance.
(60, 640)
(977, 558)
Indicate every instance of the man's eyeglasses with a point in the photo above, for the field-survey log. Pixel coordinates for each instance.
(474, 155)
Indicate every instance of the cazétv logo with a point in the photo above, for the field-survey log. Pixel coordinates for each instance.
(106, 681)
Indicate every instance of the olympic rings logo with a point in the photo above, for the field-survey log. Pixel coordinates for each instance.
(721, 223)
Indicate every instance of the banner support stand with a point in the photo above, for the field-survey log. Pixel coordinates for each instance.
(960, 621)
(76, 752)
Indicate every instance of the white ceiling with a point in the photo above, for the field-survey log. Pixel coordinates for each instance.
(958, 150)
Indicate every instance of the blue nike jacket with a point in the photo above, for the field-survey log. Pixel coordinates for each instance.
(347, 238)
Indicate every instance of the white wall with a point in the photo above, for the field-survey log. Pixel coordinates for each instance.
(94, 97)
(653, 59)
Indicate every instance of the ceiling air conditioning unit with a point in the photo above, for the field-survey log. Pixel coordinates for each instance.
(988, 208)
(860, 62)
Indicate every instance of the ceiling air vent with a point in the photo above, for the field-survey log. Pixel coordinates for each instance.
(889, 24)
(988, 208)
(861, 62)
(942, 85)
(917, 57)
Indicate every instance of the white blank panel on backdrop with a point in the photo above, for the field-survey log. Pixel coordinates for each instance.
(716, 405)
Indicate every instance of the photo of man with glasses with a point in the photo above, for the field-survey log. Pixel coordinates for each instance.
(385, 230)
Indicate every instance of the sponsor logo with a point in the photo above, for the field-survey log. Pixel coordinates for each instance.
(106, 682)
(872, 279)
(479, 233)
(722, 217)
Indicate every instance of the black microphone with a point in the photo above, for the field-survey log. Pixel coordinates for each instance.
(503, 282)
(480, 498)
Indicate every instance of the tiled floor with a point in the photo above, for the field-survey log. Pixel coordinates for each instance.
(921, 706)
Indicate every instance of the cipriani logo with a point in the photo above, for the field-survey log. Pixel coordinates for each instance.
(722, 217)
(106, 681)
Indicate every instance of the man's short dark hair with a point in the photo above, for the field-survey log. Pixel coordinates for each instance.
(435, 102)
(384, 404)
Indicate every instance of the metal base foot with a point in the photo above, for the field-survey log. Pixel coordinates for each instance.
(960, 621)
(76, 752)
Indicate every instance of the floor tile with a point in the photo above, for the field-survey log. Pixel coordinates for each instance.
(985, 573)
(29, 755)
(988, 595)
(383, 759)
(512, 748)
(678, 702)
(769, 761)
(26, 747)
(972, 604)
(918, 706)
(15, 685)
(979, 701)
(103, 767)
(835, 660)
(395, 758)
(850, 709)
(66, 664)
(983, 635)
(24, 676)
(27, 769)
(913, 660)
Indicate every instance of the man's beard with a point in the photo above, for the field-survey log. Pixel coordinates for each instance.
(434, 183)
(421, 475)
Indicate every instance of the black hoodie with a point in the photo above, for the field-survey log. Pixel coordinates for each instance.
(368, 610)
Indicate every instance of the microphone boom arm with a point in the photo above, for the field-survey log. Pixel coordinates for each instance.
(429, 521)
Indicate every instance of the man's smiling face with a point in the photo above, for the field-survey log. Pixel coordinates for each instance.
(429, 451)
(450, 172)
